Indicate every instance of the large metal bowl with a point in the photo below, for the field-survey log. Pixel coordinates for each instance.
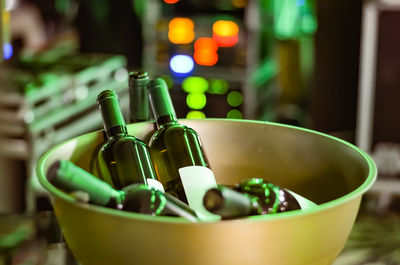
(327, 170)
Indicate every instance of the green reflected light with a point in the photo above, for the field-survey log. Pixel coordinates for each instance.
(234, 114)
(195, 84)
(235, 98)
(294, 18)
(218, 86)
(195, 114)
(196, 100)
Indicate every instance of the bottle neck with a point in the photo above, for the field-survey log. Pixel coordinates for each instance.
(116, 131)
(113, 120)
(68, 177)
(229, 203)
(140, 198)
(161, 103)
(166, 120)
(138, 97)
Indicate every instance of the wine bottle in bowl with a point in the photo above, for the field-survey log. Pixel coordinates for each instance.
(138, 198)
(254, 196)
(177, 153)
(138, 97)
(123, 159)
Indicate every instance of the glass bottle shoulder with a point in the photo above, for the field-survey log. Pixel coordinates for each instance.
(125, 140)
(172, 130)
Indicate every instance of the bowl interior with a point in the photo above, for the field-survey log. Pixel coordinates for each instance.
(319, 167)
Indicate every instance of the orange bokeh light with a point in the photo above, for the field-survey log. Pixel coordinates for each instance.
(225, 28)
(205, 44)
(171, 1)
(205, 52)
(205, 57)
(225, 33)
(226, 41)
(181, 30)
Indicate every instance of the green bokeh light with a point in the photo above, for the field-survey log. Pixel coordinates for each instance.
(62, 5)
(218, 86)
(235, 98)
(234, 114)
(195, 84)
(196, 100)
(168, 80)
(294, 18)
(195, 114)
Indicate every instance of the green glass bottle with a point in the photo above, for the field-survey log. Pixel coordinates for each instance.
(271, 197)
(138, 198)
(123, 159)
(138, 97)
(254, 196)
(68, 177)
(178, 157)
(230, 204)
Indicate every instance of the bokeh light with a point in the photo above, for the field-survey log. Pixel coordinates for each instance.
(235, 98)
(181, 64)
(225, 28)
(195, 114)
(196, 100)
(171, 1)
(7, 51)
(195, 84)
(168, 80)
(205, 58)
(204, 43)
(181, 30)
(239, 3)
(205, 51)
(218, 86)
(225, 33)
(234, 114)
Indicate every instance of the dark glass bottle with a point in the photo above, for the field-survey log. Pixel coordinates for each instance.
(123, 159)
(144, 199)
(229, 203)
(178, 157)
(272, 198)
(138, 198)
(252, 197)
(138, 97)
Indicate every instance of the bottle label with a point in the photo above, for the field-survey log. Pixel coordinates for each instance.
(155, 184)
(197, 180)
(303, 202)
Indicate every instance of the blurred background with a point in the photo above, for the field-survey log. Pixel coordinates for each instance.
(330, 66)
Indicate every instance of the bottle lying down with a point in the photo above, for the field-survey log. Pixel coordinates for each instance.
(138, 198)
(251, 197)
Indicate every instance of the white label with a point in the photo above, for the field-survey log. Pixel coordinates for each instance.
(303, 202)
(197, 180)
(155, 184)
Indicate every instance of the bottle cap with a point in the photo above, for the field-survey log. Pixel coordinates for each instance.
(138, 97)
(136, 78)
(110, 109)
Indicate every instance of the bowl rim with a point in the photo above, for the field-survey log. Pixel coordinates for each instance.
(369, 181)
